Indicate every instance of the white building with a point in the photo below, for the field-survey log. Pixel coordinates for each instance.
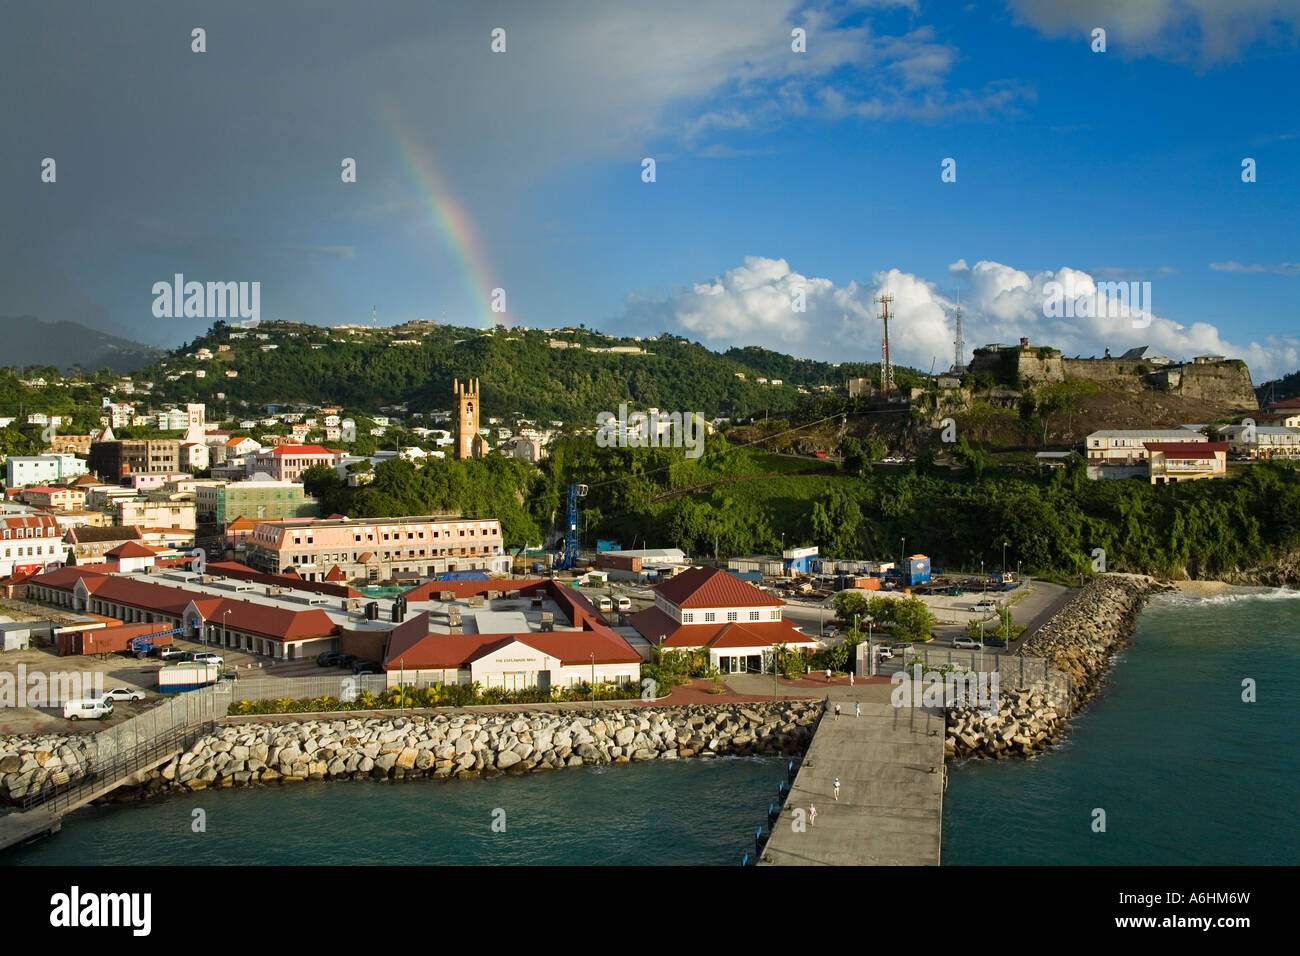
(23, 470)
(707, 608)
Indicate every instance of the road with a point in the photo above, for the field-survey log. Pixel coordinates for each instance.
(1038, 607)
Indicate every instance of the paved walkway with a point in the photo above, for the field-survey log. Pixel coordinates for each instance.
(889, 763)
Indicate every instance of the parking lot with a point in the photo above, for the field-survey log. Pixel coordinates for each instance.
(115, 670)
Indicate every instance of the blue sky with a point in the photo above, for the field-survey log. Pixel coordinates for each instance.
(776, 170)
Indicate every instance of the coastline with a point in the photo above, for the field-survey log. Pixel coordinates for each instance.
(1214, 588)
(425, 745)
(1079, 643)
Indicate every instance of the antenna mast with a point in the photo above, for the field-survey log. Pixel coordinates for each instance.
(959, 343)
(886, 366)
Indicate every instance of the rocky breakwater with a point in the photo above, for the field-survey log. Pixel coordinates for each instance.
(1085, 634)
(1078, 643)
(1023, 723)
(469, 744)
(35, 762)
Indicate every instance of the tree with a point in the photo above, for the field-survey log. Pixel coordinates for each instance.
(855, 458)
(912, 620)
(850, 604)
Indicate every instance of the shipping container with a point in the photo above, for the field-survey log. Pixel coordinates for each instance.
(182, 677)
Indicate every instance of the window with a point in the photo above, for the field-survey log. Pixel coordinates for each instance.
(731, 615)
(688, 617)
(753, 615)
(708, 617)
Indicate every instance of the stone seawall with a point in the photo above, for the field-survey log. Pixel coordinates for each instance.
(460, 744)
(1079, 641)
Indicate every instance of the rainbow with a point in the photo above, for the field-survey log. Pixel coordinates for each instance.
(448, 215)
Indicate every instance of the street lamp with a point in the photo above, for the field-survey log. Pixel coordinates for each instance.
(225, 628)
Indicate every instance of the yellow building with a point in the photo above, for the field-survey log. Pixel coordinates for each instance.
(1182, 461)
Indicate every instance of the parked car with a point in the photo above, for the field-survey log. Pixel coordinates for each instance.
(985, 605)
(123, 693)
(170, 653)
(883, 653)
(348, 660)
(203, 657)
(328, 659)
(89, 708)
(992, 640)
(366, 667)
(903, 647)
(227, 677)
(967, 643)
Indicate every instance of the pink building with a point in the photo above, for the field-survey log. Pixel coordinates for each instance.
(377, 548)
(288, 462)
(149, 480)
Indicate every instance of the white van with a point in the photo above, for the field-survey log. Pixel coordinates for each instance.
(604, 603)
(624, 604)
(88, 707)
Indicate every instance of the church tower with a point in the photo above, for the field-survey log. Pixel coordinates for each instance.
(469, 443)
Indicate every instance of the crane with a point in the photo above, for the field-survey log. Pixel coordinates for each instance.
(569, 558)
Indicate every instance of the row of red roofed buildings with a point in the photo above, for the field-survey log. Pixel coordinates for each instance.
(515, 634)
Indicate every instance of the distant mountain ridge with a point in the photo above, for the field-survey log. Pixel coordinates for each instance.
(26, 340)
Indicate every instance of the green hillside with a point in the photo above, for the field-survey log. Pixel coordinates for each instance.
(519, 371)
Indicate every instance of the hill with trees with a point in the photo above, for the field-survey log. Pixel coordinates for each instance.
(26, 340)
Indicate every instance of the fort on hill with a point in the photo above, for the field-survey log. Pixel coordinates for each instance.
(1209, 378)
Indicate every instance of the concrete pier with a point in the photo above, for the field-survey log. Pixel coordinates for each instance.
(890, 766)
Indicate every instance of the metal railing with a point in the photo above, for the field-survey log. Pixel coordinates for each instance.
(1014, 671)
(131, 746)
(296, 688)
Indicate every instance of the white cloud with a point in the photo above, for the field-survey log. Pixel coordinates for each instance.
(751, 305)
(1178, 30)
(1281, 268)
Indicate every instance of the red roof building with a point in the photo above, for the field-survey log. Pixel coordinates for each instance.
(1169, 462)
(588, 651)
(708, 608)
(713, 588)
(131, 549)
(288, 462)
(28, 543)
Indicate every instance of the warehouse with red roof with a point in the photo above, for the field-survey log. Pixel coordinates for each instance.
(709, 608)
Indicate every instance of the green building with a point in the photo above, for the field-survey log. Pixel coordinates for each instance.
(257, 499)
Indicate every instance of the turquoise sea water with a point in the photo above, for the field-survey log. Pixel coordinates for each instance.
(1186, 772)
(685, 812)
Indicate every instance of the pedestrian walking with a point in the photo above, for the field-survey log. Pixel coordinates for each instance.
(828, 675)
(857, 710)
(837, 711)
(837, 788)
(812, 815)
(850, 678)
